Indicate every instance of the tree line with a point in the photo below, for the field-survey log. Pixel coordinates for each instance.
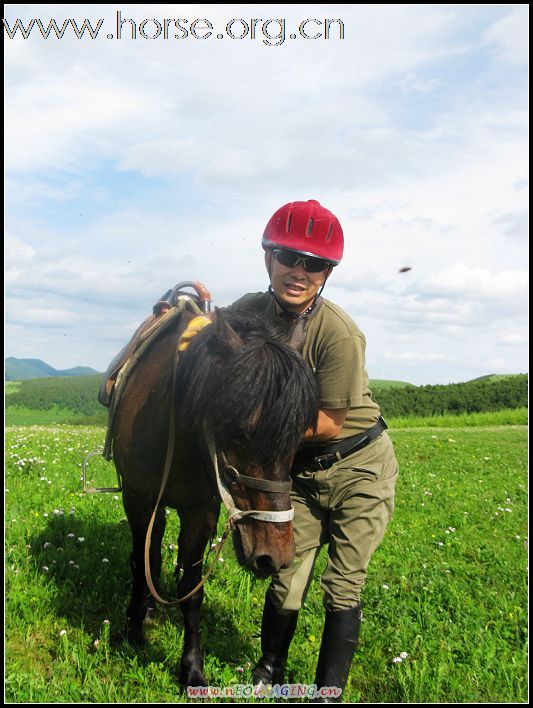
(79, 394)
(470, 397)
(76, 393)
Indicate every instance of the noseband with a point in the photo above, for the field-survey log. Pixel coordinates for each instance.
(236, 478)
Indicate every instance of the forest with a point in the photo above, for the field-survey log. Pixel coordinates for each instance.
(79, 394)
(470, 397)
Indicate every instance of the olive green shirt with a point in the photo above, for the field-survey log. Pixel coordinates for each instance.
(335, 349)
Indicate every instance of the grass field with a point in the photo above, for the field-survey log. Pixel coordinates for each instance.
(446, 589)
(20, 415)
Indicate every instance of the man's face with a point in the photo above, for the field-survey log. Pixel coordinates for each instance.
(294, 286)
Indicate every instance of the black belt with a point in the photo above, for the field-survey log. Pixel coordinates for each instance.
(322, 457)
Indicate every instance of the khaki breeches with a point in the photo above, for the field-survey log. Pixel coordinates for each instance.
(348, 508)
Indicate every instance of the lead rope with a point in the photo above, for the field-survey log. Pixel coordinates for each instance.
(147, 570)
(164, 480)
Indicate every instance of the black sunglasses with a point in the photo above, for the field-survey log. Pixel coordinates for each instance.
(289, 259)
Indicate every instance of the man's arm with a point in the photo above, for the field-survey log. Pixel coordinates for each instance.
(330, 423)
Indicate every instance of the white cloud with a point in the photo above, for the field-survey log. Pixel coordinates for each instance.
(182, 150)
(514, 338)
(508, 37)
(414, 357)
(17, 250)
(39, 315)
(461, 279)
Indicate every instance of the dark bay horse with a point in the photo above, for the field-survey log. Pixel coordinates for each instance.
(243, 392)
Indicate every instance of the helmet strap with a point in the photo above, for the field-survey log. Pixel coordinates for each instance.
(289, 313)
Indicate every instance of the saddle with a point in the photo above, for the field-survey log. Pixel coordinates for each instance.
(164, 312)
(150, 329)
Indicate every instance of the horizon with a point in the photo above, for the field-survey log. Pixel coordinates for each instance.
(132, 164)
(372, 379)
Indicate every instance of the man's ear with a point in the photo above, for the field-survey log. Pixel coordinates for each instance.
(225, 341)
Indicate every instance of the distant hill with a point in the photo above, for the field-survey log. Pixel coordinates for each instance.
(376, 384)
(495, 377)
(25, 369)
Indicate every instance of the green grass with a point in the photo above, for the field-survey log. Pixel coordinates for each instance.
(509, 416)
(447, 586)
(21, 415)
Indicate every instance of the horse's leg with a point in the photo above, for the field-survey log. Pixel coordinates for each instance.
(141, 600)
(197, 528)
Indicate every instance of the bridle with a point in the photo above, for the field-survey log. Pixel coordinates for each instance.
(234, 514)
(236, 478)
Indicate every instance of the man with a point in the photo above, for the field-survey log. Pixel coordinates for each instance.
(344, 473)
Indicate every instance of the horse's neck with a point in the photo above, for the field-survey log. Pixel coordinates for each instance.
(298, 333)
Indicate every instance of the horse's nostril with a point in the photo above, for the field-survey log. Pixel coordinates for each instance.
(265, 565)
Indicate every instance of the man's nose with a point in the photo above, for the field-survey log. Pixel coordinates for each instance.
(299, 270)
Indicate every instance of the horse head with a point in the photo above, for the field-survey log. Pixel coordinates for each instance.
(246, 393)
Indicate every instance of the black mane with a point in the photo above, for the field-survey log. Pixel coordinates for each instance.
(241, 380)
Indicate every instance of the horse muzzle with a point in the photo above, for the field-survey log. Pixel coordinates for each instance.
(262, 547)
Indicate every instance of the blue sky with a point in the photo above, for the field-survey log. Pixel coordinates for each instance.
(134, 164)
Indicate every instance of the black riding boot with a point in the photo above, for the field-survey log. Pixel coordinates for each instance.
(277, 631)
(339, 641)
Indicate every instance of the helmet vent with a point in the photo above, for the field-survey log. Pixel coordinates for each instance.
(310, 226)
(329, 232)
(289, 223)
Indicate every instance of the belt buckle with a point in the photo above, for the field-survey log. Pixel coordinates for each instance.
(320, 460)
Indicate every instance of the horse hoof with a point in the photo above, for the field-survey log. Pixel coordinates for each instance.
(150, 615)
(192, 678)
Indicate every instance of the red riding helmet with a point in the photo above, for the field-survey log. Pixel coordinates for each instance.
(308, 228)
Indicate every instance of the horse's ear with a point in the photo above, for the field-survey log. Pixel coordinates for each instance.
(226, 340)
(297, 334)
